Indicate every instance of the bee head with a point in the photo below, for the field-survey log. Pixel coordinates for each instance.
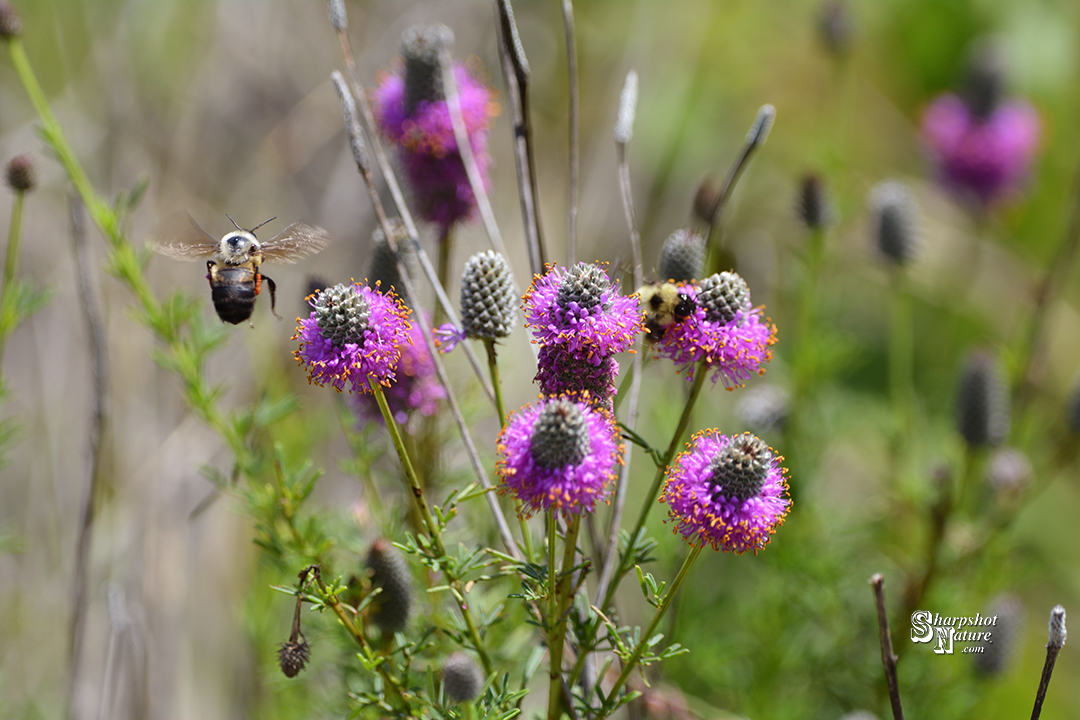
(237, 246)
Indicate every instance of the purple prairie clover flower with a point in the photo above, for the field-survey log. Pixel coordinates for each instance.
(558, 454)
(559, 372)
(728, 492)
(352, 333)
(984, 157)
(581, 310)
(725, 332)
(411, 110)
(415, 387)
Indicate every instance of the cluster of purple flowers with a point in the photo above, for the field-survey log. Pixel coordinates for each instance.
(727, 492)
(725, 332)
(411, 110)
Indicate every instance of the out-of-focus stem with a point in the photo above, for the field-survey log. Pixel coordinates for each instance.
(888, 658)
(901, 363)
(572, 81)
(560, 594)
(643, 643)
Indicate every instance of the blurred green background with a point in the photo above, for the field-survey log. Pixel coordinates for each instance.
(227, 107)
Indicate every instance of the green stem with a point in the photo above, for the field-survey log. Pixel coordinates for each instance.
(643, 643)
(805, 357)
(390, 681)
(901, 363)
(559, 602)
(500, 408)
(432, 527)
(11, 260)
(446, 248)
(661, 471)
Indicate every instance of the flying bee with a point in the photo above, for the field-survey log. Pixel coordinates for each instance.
(235, 261)
(664, 305)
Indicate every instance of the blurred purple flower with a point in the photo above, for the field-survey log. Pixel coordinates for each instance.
(727, 492)
(415, 387)
(558, 454)
(428, 149)
(352, 333)
(982, 157)
(580, 310)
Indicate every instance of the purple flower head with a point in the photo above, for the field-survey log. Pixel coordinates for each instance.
(353, 332)
(415, 387)
(725, 332)
(728, 492)
(411, 110)
(559, 372)
(560, 454)
(581, 310)
(988, 157)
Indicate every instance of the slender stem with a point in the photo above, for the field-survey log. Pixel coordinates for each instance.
(888, 658)
(445, 248)
(390, 681)
(661, 472)
(572, 81)
(643, 643)
(806, 357)
(560, 594)
(11, 259)
(96, 430)
(1053, 647)
(516, 70)
(901, 386)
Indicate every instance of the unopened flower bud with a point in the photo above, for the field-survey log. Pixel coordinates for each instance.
(422, 46)
(1005, 635)
(20, 173)
(982, 402)
(707, 198)
(813, 206)
(893, 223)
(383, 269)
(759, 131)
(462, 678)
(723, 295)
(339, 20)
(10, 24)
(487, 297)
(390, 573)
(624, 122)
(683, 256)
(835, 26)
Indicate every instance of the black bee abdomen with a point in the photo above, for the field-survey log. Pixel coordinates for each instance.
(233, 291)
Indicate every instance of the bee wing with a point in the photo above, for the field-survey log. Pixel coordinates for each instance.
(188, 242)
(293, 243)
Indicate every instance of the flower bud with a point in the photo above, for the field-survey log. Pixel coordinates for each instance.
(707, 198)
(723, 295)
(487, 297)
(682, 257)
(982, 402)
(812, 205)
(893, 224)
(10, 24)
(390, 573)
(1005, 635)
(422, 46)
(20, 173)
(339, 20)
(462, 678)
(383, 269)
(1057, 628)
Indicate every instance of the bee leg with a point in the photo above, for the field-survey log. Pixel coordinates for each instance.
(273, 290)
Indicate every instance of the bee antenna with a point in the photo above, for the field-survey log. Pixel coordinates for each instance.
(252, 230)
(234, 222)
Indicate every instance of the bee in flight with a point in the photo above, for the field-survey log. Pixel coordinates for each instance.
(664, 305)
(233, 267)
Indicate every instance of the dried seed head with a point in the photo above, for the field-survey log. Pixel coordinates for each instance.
(984, 83)
(342, 315)
(422, 46)
(723, 295)
(707, 198)
(683, 256)
(560, 435)
(624, 122)
(1005, 635)
(813, 206)
(390, 573)
(982, 402)
(462, 678)
(339, 20)
(739, 470)
(759, 131)
(487, 297)
(20, 173)
(10, 24)
(1057, 628)
(383, 268)
(834, 24)
(293, 656)
(893, 222)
